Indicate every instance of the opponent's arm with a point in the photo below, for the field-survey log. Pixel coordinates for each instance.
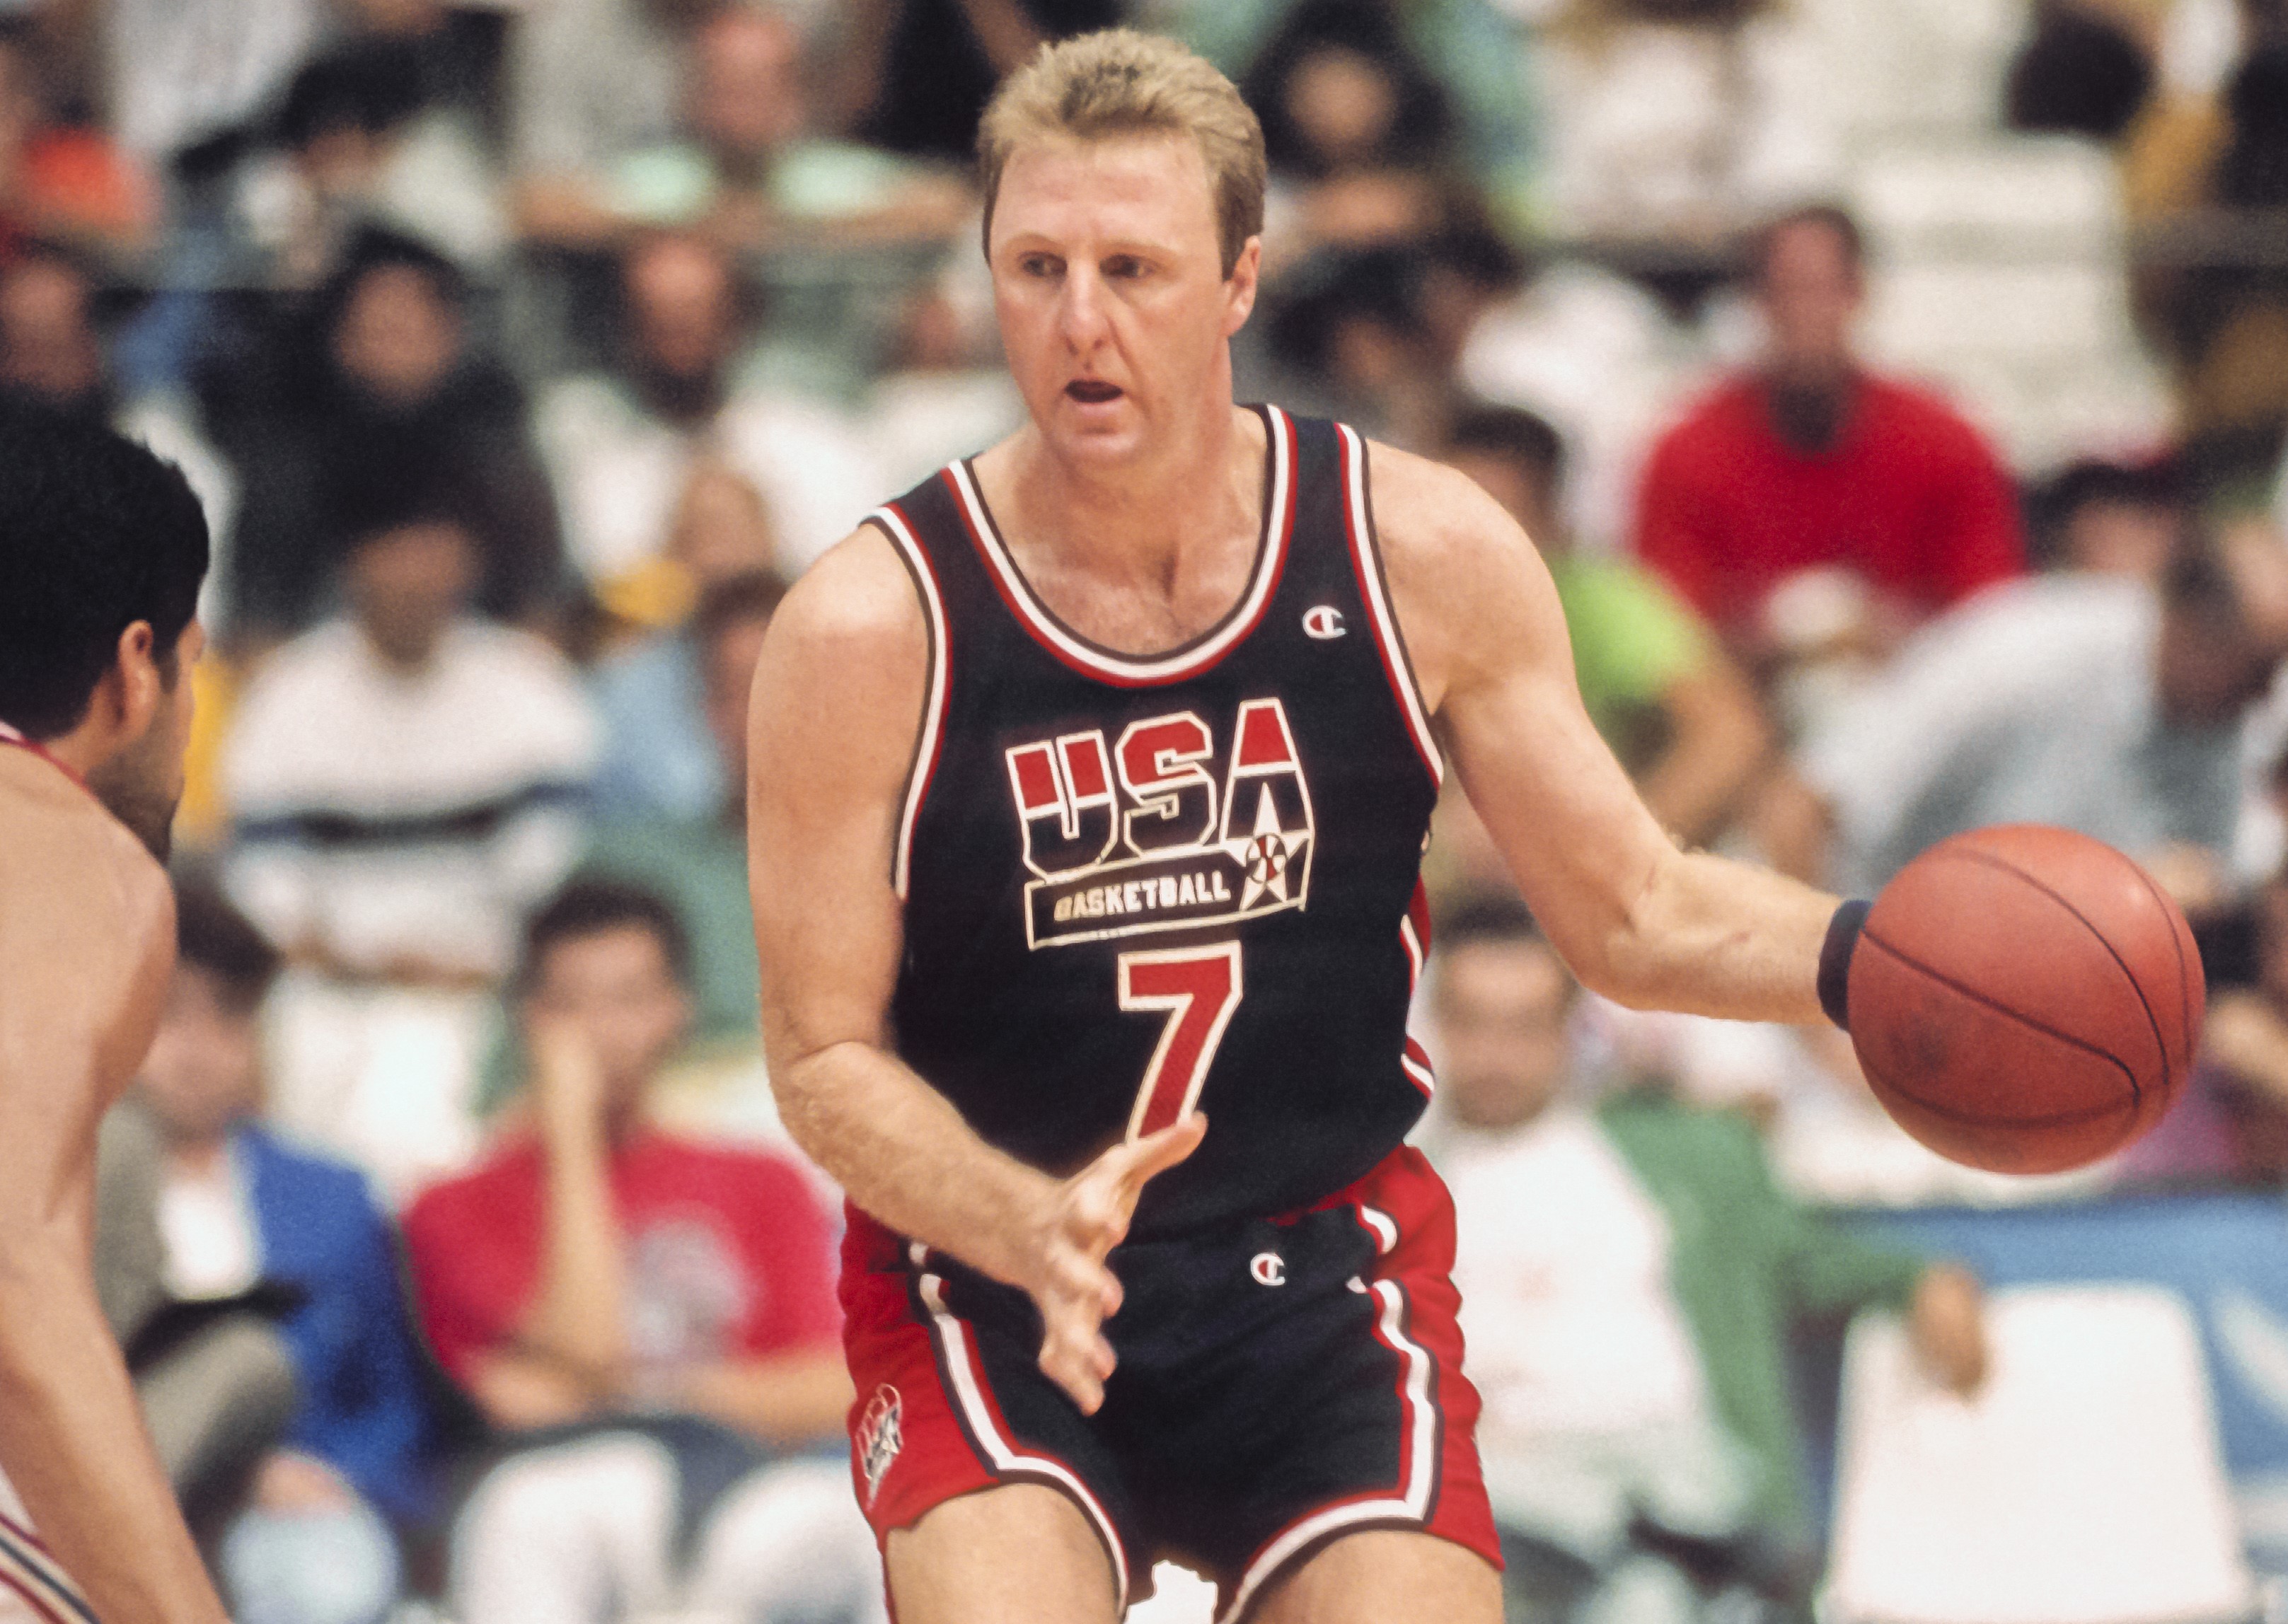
(86, 975)
(1639, 920)
(837, 708)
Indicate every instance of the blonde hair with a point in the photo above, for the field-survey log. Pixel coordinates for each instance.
(1119, 82)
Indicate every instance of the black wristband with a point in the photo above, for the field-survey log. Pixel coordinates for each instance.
(1835, 961)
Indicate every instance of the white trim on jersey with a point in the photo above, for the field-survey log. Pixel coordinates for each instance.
(1278, 524)
(902, 537)
(1007, 1460)
(1418, 1475)
(1366, 556)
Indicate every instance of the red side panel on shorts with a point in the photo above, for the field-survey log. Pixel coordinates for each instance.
(908, 1451)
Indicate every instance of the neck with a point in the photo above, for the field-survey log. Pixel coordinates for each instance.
(1148, 511)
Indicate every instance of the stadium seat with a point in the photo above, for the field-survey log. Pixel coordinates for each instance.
(2084, 1485)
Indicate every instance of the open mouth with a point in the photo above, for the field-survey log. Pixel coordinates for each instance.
(1092, 391)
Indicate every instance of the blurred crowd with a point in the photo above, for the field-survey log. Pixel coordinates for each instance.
(1897, 394)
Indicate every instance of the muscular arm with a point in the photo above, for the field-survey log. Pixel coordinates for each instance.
(87, 940)
(1639, 921)
(836, 706)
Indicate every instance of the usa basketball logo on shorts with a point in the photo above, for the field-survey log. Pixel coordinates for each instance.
(880, 1437)
(1140, 836)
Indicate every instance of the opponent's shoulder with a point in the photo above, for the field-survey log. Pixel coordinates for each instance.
(78, 892)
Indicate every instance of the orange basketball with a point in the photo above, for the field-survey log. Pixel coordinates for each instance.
(2025, 999)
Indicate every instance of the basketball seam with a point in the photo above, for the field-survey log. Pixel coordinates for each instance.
(2184, 983)
(2153, 1021)
(2136, 1095)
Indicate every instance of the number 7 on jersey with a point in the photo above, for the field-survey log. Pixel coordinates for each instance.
(1198, 988)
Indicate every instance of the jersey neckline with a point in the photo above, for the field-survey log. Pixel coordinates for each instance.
(11, 736)
(1188, 658)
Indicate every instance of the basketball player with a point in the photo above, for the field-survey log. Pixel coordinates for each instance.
(101, 552)
(1090, 780)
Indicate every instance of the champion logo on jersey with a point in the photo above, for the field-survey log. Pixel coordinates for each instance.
(1323, 622)
(1142, 838)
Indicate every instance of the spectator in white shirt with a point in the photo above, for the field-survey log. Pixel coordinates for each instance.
(620, 446)
(405, 780)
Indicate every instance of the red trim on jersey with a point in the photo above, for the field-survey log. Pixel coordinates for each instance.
(1403, 1206)
(10, 736)
(1105, 665)
(30, 1599)
(930, 744)
(1358, 527)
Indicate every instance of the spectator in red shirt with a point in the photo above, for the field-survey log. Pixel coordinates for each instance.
(1811, 462)
(651, 1322)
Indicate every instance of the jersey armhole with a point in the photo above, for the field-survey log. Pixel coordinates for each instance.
(1374, 589)
(931, 734)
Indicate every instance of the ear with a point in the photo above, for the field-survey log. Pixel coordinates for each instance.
(127, 695)
(1240, 286)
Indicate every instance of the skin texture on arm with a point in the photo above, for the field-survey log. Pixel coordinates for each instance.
(1639, 921)
(87, 940)
(836, 706)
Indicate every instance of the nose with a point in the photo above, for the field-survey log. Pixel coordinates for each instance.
(1081, 316)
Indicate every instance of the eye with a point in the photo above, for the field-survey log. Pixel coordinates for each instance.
(1126, 267)
(1038, 264)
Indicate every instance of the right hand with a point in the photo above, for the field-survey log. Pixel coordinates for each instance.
(1089, 1216)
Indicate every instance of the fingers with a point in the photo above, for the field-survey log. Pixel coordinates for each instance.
(1074, 1351)
(1155, 1153)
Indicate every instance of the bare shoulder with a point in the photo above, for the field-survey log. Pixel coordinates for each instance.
(846, 666)
(1466, 581)
(87, 929)
(859, 601)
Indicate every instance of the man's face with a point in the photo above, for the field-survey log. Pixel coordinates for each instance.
(1811, 293)
(746, 85)
(679, 298)
(48, 346)
(1108, 280)
(142, 783)
(398, 339)
(617, 987)
(1501, 1007)
(407, 586)
(203, 1072)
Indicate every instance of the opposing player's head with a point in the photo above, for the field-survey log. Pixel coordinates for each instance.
(613, 961)
(1124, 183)
(1503, 999)
(102, 548)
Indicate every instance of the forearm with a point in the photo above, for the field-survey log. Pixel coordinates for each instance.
(1708, 936)
(72, 1442)
(904, 1154)
(786, 1400)
(578, 1316)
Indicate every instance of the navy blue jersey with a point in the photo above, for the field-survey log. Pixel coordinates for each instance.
(1138, 886)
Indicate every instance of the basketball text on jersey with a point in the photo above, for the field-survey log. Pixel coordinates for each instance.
(1143, 837)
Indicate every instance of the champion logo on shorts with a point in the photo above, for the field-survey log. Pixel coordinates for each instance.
(1268, 1268)
(880, 1437)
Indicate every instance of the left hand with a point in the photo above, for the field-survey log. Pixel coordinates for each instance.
(1947, 1323)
